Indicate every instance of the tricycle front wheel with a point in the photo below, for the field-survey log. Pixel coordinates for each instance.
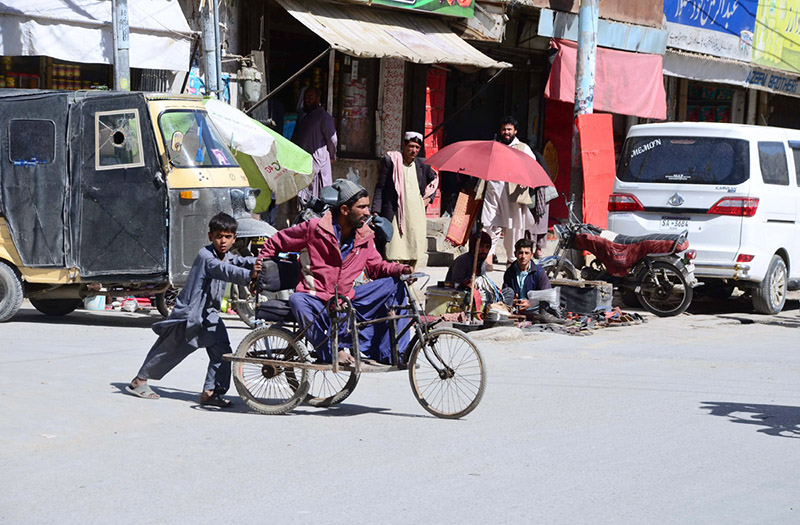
(270, 388)
(447, 373)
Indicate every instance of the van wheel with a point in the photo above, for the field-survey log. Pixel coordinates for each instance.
(56, 307)
(10, 292)
(770, 294)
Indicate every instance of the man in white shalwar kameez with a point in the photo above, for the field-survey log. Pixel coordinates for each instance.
(501, 212)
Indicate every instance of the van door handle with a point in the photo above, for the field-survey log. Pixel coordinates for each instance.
(158, 180)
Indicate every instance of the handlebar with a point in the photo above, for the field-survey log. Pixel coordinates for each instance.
(413, 276)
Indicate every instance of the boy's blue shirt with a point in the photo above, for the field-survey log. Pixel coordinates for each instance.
(199, 302)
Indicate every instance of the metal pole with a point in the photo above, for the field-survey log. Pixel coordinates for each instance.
(122, 45)
(209, 52)
(217, 50)
(331, 66)
(584, 90)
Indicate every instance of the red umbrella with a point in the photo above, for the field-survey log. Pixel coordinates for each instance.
(490, 160)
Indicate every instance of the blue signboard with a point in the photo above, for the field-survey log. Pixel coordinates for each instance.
(732, 17)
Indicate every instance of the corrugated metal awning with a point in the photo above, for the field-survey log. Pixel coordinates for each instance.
(160, 37)
(367, 32)
(707, 68)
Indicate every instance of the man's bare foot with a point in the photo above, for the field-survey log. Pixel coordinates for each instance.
(345, 358)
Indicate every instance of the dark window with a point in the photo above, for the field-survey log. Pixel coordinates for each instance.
(31, 141)
(684, 160)
(772, 158)
(796, 155)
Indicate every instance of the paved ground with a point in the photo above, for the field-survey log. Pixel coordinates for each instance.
(682, 420)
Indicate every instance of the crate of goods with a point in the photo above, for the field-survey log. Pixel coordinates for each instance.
(440, 300)
(585, 297)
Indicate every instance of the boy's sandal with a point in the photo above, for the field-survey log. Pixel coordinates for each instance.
(216, 401)
(143, 390)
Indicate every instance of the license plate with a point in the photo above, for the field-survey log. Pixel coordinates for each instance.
(674, 223)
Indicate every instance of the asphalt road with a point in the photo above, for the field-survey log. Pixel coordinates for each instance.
(691, 419)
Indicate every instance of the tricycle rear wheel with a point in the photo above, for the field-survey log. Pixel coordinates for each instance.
(268, 388)
(458, 388)
(327, 389)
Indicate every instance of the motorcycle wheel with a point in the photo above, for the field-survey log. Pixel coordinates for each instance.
(663, 290)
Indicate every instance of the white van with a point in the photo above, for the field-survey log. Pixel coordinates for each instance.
(734, 187)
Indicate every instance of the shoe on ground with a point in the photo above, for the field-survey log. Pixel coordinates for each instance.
(543, 316)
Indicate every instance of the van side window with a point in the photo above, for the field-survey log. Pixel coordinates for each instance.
(117, 139)
(796, 155)
(772, 158)
(31, 141)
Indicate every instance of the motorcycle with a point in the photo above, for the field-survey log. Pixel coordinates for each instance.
(654, 271)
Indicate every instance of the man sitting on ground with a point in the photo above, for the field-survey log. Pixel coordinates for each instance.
(460, 272)
(522, 277)
(334, 249)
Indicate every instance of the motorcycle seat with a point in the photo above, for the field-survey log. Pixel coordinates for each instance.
(619, 257)
(635, 239)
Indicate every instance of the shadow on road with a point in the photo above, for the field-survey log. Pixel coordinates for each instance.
(140, 319)
(776, 420)
(732, 305)
(347, 409)
(83, 317)
(239, 407)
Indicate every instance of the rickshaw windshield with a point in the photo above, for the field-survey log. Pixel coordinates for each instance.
(192, 141)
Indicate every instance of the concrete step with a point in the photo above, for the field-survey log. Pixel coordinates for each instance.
(440, 258)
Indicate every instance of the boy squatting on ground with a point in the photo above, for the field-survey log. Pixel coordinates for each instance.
(195, 321)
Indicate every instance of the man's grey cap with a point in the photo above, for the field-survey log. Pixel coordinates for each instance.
(341, 191)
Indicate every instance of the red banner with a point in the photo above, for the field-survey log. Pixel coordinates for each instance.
(597, 157)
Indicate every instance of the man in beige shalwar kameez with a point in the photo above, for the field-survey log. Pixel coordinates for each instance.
(403, 181)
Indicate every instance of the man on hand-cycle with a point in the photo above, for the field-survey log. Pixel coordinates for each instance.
(334, 249)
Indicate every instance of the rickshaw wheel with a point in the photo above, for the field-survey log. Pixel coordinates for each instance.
(327, 389)
(268, 388)
(458, 388)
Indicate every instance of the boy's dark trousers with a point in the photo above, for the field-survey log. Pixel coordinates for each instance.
(171, 348)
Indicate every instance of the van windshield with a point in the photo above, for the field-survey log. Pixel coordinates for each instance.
(192, 142)
(684, 160)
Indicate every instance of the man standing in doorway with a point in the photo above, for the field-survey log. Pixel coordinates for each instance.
(505, 206)
(316, 134)
(402, 180)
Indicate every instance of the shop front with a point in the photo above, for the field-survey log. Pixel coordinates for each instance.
(57, 44)
(733, 65)
(381, 71)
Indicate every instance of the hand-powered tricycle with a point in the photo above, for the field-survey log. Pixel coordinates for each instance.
(274, 367)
